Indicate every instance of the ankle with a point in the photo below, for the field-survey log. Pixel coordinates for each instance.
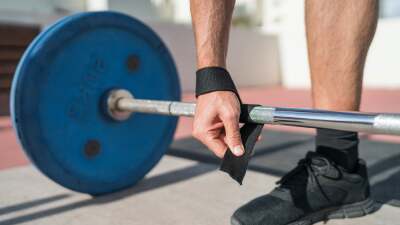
(338, 146)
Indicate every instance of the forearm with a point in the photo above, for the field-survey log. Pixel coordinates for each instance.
(211, 24)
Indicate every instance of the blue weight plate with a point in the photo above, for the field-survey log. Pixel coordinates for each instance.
(56, 95)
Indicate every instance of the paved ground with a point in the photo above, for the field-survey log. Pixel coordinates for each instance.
(279, 151)
(177, 191)
(186, 187)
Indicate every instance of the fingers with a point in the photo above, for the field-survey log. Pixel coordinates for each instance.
(217, 146)
(209, 131)
(233, 138)
(216, 122)
(213, 139)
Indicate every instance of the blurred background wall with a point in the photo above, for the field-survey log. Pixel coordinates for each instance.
(267, 45)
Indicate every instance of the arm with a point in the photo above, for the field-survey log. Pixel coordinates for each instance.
(211, 24)
(216, 121)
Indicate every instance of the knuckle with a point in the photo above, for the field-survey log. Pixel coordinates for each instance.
(234, 136)
(234, 141)
(230, 115)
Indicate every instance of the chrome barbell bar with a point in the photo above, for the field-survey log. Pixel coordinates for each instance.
(121, 104)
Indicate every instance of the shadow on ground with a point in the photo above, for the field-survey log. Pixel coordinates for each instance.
(276, 154)
(146, 184)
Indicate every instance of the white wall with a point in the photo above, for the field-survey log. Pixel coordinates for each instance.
(41, 12)
(97, 5)
(252, 57)
(383, 62)
(285, 18)
(143, 10)
(277, 56)
(42, 6)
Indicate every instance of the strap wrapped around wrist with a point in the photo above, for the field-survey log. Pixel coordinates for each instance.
(211, 79)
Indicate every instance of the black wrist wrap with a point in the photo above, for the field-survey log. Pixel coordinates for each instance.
(211, 79)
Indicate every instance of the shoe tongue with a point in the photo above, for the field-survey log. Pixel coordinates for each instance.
(320, 162)
(323, 166)
(320, 166)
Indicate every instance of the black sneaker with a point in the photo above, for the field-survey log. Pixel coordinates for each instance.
(316, 190)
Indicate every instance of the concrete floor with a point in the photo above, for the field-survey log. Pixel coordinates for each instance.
(178, 191)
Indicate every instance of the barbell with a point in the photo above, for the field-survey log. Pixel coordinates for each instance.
(88, 93)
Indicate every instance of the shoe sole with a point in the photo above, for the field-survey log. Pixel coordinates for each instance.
(353, 210)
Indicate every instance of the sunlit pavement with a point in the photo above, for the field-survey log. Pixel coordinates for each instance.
(186, 187)
(177, 191)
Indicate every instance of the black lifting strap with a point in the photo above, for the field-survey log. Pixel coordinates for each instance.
(211, 79)
(236, 166)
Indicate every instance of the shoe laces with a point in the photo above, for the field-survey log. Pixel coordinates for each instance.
(314, 165)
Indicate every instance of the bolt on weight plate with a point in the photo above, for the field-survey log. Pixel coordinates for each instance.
(132, 63)
(57, 109)
(92, 148)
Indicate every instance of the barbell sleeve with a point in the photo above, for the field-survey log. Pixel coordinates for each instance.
(378, 123)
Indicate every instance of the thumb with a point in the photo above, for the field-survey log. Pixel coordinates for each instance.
(233, 138)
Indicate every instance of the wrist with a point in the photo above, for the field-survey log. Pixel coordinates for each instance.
(211, 60)
(211, 79)
(212, 63)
